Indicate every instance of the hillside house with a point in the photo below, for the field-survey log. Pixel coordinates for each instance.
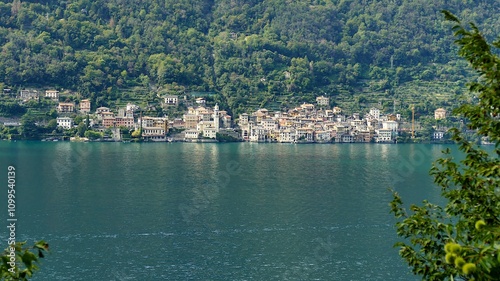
(171, 100)
(322, 101)
(439, 113)
(85, 106)
(27, 95)
(52, 94)
(66, 107)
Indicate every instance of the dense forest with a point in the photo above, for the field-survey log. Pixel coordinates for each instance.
(253, 53)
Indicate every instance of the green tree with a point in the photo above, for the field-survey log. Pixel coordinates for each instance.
(461, 240)
(81, 129)
(29, 128)
(20, 262)
(92, 135)
(52, 125)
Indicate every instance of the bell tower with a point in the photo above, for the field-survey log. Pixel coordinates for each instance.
(216, 117)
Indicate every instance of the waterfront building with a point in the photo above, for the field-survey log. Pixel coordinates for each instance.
(210, 132)
(438, 135)
(286, 135)
(347, 138)
(65, 122)
(154, 134)
(322, 136)
(191, 134)
(391, 125)
(304, 134)
(258, 134)
(384, 135)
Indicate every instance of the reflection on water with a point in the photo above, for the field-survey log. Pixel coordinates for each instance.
(216, 211)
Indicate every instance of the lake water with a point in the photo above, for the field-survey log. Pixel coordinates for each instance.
(242, 211)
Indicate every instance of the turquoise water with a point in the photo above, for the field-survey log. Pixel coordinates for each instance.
(125, 211)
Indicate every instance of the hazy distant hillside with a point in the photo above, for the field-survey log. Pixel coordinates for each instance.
(256, 53)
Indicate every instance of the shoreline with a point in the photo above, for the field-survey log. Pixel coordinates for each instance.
(225, 142)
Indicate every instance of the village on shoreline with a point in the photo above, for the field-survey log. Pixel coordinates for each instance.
(307, 123)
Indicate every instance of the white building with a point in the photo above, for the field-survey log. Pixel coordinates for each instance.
(65, 122)
(348, 138)
(216, 119)
(323, 136)
(375, 112)
(269, 124)
(304, 134)
(191, 134)
(384, 135)
(438, 135)
(52, 94)
(258, 134)
(171, 100)
(390, 125)
(209, 132)
(153, 133)
(286, 135)
(131, 107)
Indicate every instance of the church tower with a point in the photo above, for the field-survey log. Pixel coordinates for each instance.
(216, 117)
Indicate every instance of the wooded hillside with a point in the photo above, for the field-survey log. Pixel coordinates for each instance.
(254, 53)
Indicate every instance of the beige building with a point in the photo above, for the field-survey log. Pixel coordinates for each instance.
(322, 101)
(191, 121)
(440, 113)
(118, 122)
(191, 134)
(153, 133)
(66, 107)
(85, 106)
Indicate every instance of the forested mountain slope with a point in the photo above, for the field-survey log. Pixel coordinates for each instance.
(255, 53)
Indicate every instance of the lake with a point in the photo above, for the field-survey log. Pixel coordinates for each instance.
(239, 211)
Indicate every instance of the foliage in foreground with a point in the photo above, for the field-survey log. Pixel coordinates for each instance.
(25, 261)
(460, 241)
